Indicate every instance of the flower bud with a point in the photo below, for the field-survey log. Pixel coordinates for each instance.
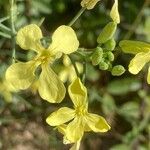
(89, 4)
(110, 44)
(117, 70)
(110, 56)
(97, 56)
(103, 65)
(107, 32)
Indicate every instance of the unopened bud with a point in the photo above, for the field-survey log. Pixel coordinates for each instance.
(103, 65)
(89, 4)
(97, 56)
(110, 56)
(110, 44)
(107, 32)
(118, 70)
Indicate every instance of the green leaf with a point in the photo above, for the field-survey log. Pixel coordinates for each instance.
(4, 28)
(108, 104)
(107, 32)
(123, 86)
(4, 19)
(134, 47)
(130, 110)
(5, 35)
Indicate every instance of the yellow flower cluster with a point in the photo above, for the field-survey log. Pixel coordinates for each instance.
(22, 75)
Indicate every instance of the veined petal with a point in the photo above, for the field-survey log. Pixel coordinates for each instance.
(134, 47)
(114, 13)
(51, 88)
(21, 75)
(77, 92)
(138, 62)
(75, 130)
(64, 40)
(28, 38)
(148, 76)
(60, 116)
(97, 123)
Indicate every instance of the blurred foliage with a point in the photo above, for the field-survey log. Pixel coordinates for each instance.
(124, 101)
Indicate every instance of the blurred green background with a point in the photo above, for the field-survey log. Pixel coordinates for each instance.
(124, 101)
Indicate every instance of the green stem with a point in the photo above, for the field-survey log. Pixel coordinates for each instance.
(74, 65)
(84, 71)
(77, 16)
(12, 20)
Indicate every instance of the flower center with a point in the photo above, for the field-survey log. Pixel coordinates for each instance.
(81, 110)
(46, 57)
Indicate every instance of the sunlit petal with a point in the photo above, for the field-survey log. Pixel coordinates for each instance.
(77, 92)
(60, 116)
(97, 123)
(64, 40)
(51, 88)
(21, 75)
(138, 62)
(75, 130)
(28, 37)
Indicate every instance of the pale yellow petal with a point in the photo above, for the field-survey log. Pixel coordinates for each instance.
(114, 13)
(138, 62)
(64, 40)
(60, 116)
(134, 47)
(51, 88)
(89, 4)
(63, 75)
(78, 92)
(21, 75)
(66, 61)
(97, 123)
(28, 37)
(75, 130)
(148, 76)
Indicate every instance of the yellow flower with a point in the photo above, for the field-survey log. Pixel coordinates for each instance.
(142, 55)
(68, 72)
(114, 13)
(89, 4)
(82, 120)
(22, 75)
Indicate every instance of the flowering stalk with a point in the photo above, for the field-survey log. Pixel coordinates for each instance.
(77, 16)
(12, 19)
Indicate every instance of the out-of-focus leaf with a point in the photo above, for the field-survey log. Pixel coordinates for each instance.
(108, 104)
(5, 35)
(130, 110)
(120, 147)
(92, 73)
(123, 86)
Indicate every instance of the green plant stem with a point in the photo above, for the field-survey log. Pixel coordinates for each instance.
(84, 71)
(136, 21)
(74, 65)
(77, 16)
(12, 20)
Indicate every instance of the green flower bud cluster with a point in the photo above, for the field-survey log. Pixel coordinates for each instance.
(103, 58)
(103, 55)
